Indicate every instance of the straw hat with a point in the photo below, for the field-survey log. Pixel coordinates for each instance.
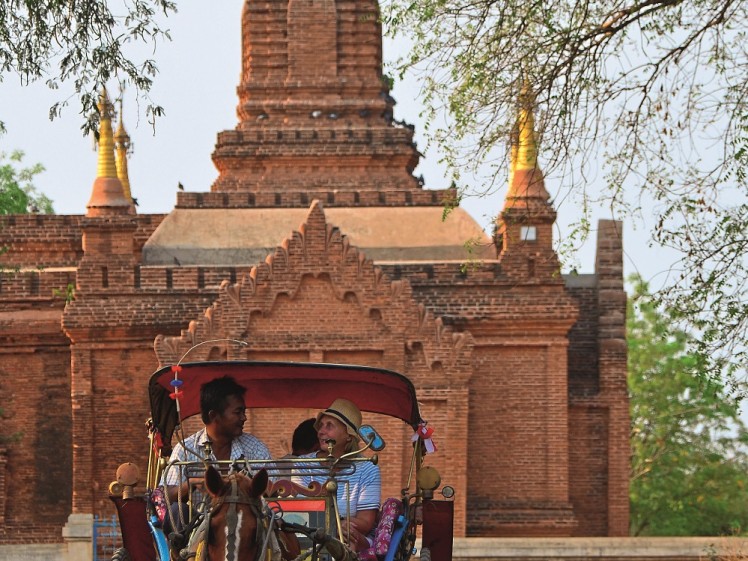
(344, 411)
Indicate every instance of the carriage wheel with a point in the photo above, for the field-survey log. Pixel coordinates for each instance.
(425, 554)
(121, 554)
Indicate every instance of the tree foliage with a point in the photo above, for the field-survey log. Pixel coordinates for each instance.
(641, 107)
(84, 43)
(17, 192)
(689, 462)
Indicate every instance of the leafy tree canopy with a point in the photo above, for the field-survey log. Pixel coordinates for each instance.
(17, 192)
(641, 107)
(81, 43)
(689, 462)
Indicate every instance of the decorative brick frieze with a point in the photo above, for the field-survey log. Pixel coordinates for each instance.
(333, 198)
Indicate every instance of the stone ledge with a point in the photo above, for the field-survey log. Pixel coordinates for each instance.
(599, 548)
(517, 548)
(32, 552)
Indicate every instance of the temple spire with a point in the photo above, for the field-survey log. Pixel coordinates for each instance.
(524, 228)
(526, 181)
(107, 196)
(122, 147)
(106, 167)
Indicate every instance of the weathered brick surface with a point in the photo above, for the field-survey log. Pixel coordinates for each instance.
(36, 421)
(315, 305)
(384, 195)
(522, 372)
(583, 356)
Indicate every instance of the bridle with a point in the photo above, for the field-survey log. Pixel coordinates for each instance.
(237, 496)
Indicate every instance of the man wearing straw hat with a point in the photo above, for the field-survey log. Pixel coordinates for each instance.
(337, 432)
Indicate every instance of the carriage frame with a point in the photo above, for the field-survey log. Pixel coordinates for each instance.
(174, 396)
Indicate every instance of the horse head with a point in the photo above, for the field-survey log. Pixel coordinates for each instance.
(236, 528)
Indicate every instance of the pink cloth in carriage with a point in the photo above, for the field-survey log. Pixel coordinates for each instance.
(391, 509)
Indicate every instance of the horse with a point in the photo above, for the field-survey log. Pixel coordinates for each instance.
(237, 530)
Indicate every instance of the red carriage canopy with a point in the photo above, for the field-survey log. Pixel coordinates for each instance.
(285, 385)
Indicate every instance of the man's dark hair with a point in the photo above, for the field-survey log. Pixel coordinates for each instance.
(304, 438)
(214, 395)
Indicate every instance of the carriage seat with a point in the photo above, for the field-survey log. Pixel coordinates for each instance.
(388, 532)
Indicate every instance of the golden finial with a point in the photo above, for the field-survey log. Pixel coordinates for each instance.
(107, 195)
(106, 167)
(525, 147)
(526, 180)
(122, 147)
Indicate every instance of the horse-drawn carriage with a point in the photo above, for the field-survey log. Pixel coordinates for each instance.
(294, 521)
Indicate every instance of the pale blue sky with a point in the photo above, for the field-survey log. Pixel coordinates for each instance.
(199, 72)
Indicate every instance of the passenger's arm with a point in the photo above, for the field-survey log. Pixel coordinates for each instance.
(368, 503)
(360, 526)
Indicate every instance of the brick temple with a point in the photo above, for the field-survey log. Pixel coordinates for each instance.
(317, 243)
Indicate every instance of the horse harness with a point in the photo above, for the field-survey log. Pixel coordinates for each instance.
(237, 496)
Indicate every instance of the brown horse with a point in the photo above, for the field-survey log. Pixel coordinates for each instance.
(237, 530)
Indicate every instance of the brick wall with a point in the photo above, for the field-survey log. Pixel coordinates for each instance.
(44, 241)
(531, 465)
(40, 240)
(35, 394)
(588, 458)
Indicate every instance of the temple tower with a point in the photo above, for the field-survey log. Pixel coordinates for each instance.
(314, 112)
(525, 226)
(315, 122)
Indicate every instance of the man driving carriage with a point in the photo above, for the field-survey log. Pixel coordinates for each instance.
(223, 412)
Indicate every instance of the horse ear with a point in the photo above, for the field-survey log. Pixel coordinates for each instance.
(260, 483)
(213, 481)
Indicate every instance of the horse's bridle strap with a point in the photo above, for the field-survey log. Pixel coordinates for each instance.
(236, 497)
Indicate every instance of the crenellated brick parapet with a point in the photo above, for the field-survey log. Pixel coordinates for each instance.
(40, 240)
(332, 137)
(334, 198)
(40, 285)
(318, 157)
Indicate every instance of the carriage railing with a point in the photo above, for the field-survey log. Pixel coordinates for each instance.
(281, 468)
(371, 440)
(327, 469)
(280, 471)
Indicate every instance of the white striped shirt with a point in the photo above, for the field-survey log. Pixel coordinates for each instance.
(361, 490)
